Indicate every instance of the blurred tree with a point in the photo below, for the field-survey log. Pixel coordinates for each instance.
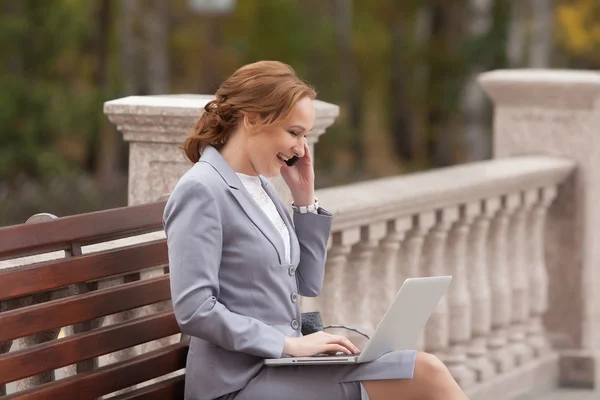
(48, 109)
(515, 44)
(106, 150)
(579, 31)
(403, 66)
(446, 61)
(477, 134)
(542, 37)
(342, 12)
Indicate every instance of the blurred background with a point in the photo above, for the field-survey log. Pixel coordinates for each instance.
(402, 71)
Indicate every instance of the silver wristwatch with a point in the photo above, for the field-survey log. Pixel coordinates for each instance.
(307, 209)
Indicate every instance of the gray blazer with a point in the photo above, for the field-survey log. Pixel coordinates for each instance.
(232, 291)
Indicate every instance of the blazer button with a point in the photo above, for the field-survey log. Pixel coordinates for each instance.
(292, 270)
(295, 324)
(294, 297)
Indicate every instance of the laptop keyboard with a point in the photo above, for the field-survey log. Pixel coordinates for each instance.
(337, 355)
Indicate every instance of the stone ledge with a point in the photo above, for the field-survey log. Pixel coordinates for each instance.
(534, 378)
(405, 195)
(169, 118)
(552, 89)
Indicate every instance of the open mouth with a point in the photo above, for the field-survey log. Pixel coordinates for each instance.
(282, 157)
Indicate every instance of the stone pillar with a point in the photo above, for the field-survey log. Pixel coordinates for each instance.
(557, 113)
(155, 127)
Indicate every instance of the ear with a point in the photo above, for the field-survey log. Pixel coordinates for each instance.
(250, 122)
(250, 119)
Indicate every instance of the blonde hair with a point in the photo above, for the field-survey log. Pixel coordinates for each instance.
(268, 89)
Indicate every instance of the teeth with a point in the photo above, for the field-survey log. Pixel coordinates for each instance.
(284, 158)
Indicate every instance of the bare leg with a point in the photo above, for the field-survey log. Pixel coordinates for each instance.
(431, 381)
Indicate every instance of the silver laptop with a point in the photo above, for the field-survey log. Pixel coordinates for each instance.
(399, 328)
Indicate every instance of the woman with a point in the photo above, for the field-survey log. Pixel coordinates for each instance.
(239, 263)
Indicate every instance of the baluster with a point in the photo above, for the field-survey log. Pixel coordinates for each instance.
(519, 277)
(377, 286)
(362, 272)
(117, 318)
(459, 300)
(538, 278)
(22, 343)
(411, 254)
(480, 291)
(6, 305)
(500, 285)
(412, 247)
(389, 259)
(81, 288)
(350, 282)
(333, 297)
(437, 330)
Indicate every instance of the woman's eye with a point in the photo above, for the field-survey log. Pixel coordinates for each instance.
(294, 133)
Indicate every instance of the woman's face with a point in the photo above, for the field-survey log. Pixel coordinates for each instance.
(273, 144)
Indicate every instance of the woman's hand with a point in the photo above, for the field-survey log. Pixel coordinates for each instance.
(300, 178)
(318, 343)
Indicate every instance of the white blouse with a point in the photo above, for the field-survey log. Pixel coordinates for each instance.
(254, 187)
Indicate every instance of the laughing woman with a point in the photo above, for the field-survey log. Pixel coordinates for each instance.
(239, 263)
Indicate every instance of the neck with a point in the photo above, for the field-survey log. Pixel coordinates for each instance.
(234, 153)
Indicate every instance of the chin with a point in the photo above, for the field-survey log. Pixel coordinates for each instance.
(272, 173)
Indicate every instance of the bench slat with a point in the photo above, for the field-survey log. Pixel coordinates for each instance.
(172, 388)
(71, 310)
(110, 378)
(58, 234)
(70, 350)
(62, 272)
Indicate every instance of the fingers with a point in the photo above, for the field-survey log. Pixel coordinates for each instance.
(336, 348)
(307, 150)
(344, 342)
(349, 345)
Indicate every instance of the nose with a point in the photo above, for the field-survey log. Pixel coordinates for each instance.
(298, 149)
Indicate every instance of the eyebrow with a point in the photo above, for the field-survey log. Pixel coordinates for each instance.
(303, 129)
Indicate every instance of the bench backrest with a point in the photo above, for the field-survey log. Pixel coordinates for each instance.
(80, 301)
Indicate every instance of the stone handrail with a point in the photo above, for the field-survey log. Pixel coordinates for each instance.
(483, 223)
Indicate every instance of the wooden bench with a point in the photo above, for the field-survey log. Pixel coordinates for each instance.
(81, 301)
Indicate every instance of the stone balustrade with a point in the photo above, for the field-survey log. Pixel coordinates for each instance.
(482, 223)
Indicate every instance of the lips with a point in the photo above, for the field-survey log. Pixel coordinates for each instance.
(283, 157)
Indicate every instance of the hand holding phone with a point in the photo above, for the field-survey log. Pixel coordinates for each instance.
(301, 178)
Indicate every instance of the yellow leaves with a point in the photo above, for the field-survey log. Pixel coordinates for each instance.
(578, 23)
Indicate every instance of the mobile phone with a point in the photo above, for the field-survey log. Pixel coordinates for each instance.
(292, 161)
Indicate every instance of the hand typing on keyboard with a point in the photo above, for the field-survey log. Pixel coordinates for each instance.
(319, 343)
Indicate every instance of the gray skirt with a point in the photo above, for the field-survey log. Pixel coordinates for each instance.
(331, 382)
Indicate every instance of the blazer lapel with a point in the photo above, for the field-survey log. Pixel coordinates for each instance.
(244, 199)
(294, 245)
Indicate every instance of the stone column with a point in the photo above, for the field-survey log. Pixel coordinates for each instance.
(363, 274)
(437, 329)
(481, 292)
(389, 260)
(557, 113)
(459, 296)
(155, 127)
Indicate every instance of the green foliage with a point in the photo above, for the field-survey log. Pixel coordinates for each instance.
(46, 98)
(52, 89)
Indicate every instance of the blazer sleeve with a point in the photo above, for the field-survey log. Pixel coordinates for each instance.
(194, 239)
(313, 233)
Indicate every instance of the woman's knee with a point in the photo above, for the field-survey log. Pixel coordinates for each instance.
(429, 367)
